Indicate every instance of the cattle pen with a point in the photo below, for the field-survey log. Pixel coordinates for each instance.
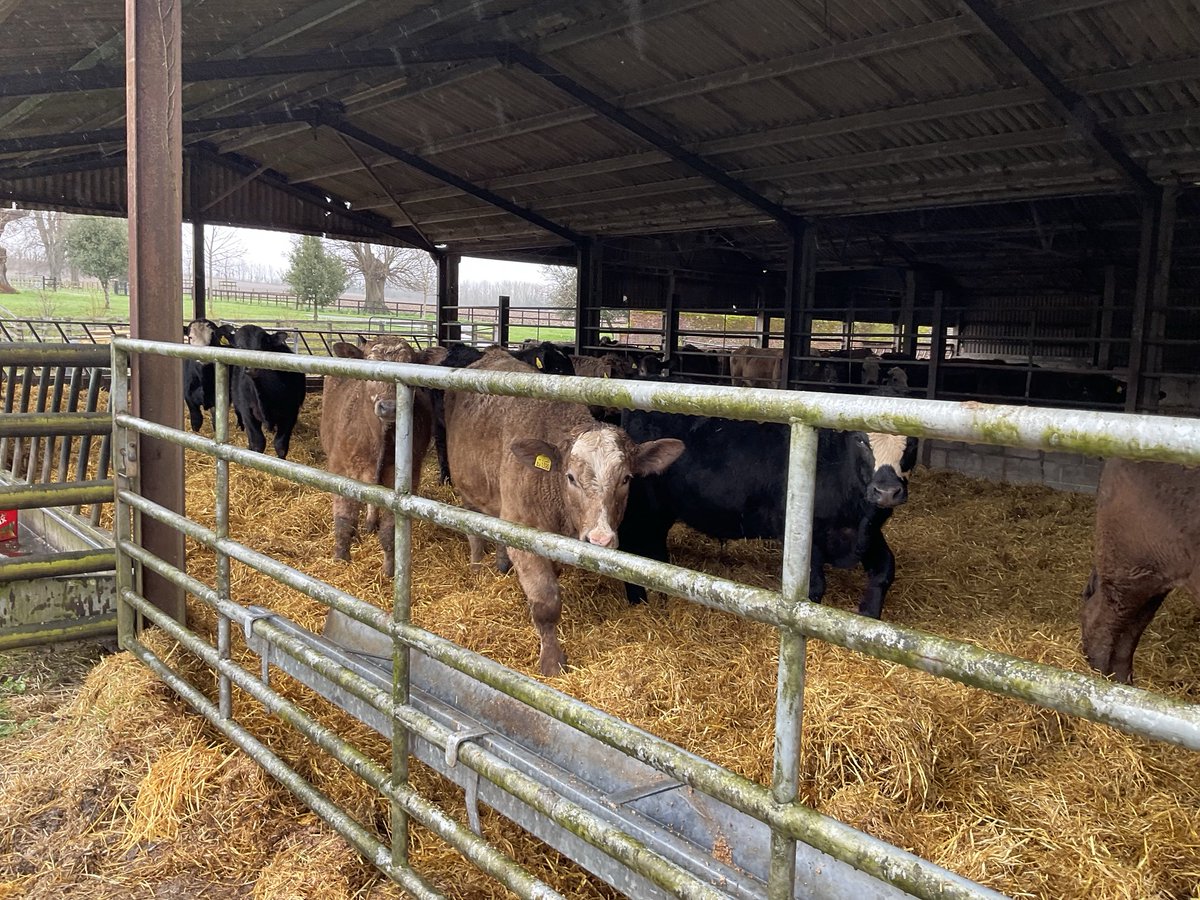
(624, 849)
(990, 206)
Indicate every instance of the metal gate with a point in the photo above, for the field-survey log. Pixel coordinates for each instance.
(642, 843)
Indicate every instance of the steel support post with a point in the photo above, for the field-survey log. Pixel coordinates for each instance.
(155, 166)
(937, 353)
(906, 341)
(1150, 300)
(588, 294)
(1102, 357)
(789, 691)
(401, 615)
(196, 196)
(502, 317)
(448, 328)
(670, 338)
(798, 302)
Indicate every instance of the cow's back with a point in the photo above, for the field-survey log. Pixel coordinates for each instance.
(1148, 519)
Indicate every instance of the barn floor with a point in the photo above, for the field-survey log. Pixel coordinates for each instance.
(124, 794)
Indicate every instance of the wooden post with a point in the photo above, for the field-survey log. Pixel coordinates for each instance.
(448, 328)
(155, 201)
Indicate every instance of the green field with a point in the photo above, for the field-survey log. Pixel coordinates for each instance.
(88, 305)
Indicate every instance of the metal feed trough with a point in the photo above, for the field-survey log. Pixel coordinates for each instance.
(56, 579)
(646, 816)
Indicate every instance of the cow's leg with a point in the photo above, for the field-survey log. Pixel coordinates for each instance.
(283, 438)
(478, 548)
(880, 565)
(503, 563)
(539, 580)
(255, 439)
(816, 574)
(387, 541)
(196, 415)
(1113, 618)
(439, 435)
(345, 523)
(371, 525)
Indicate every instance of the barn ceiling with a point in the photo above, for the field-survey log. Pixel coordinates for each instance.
(912, 131)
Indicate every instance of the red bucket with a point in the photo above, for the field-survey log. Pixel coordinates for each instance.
(8, 524)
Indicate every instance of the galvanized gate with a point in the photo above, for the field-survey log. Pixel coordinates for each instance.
(611, 799)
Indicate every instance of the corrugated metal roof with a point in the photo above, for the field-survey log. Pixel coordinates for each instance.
(834, 110)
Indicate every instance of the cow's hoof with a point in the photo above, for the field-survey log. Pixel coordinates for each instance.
(552, 663)
(503, 563)
(343, 555)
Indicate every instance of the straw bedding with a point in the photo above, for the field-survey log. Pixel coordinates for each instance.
(124, 793)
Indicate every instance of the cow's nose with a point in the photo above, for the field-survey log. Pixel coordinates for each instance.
(892, 495)
(601, 537)
(386, 410)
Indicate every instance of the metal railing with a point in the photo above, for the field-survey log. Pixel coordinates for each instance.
(778, 807)
(50, 468)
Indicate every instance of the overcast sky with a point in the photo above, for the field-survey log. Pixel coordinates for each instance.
(271, 248)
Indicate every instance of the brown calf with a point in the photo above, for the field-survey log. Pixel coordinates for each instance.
(359, 441)
(756, 367)
(1147, 543)
(548, 465)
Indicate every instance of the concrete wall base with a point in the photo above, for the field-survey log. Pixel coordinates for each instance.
(1014, 465)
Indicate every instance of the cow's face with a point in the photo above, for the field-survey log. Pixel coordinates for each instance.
(201, 333)
(892, 458)
(383, 393)
(594, 469)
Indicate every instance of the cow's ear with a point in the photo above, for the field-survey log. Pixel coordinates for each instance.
(347, 351)
(536, 454)
(653, 457)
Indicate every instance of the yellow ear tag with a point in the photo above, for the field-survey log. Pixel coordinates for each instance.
(605, 374)
(542, 462)
(537, 361)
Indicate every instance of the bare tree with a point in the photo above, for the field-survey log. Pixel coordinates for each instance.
(7, 216)
(223, 250)
(52, 231)
(424, 278)
(559, 283)
(379, 266)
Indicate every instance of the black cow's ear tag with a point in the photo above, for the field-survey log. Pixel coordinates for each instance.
(225, 341)
(605, 374)
(543, 462)
(538, 362)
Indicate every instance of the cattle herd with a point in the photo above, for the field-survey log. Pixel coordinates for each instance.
(614, 477)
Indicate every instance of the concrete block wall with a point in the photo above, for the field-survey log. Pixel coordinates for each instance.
(1013, 465)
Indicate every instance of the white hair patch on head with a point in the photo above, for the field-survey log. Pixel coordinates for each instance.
(600, 451)
(888, 450)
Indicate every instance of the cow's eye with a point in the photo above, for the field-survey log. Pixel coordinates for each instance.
(627, 479)
(570, 478)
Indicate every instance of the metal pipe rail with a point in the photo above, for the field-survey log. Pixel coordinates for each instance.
(1140, 437)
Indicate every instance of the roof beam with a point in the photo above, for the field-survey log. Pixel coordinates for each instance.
(1071, 106)
(110, 77)
(321, 199)
(36, 142)
(651, 136)
(341, 126)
